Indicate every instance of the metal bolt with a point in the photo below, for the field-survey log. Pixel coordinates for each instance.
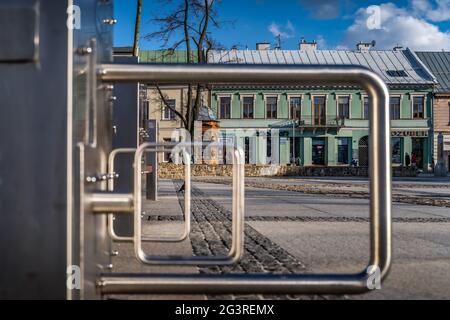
(84, 51)
(114, 253)
(91, 179)
(110, 21)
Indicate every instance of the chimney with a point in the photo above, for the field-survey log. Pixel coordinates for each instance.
(263, 46)
(305, 45)
(365, 46)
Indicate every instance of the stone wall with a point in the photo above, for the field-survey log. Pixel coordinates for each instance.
(173, 171)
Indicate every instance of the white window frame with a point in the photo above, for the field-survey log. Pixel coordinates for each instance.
(401, 103)
(220, 96)
(248, 95)
(349, 96)
(271, 95)
(363, 114)
(416, 95)
(293, 95)
(163, 110)
(314, 95)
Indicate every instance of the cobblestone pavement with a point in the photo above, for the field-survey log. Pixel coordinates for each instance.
(211, 235)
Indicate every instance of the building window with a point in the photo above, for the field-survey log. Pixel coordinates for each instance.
(248, 107)
(271, 107)
(269, 146)
(225, 107)
(319, 110)
(343, 150)
(295, 106)
(344, 107)
(318, 151)
(247, 150)
(418, 107)
(366, 108)
(167, 155)
(396, 150)
(395, 107)
(449, 117)
(168, 113)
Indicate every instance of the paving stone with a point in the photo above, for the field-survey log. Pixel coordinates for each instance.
(211, 235)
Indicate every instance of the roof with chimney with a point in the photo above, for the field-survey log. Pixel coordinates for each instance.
(399, 67)
(439, 64)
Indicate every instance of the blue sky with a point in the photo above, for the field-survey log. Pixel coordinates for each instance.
(419, 24)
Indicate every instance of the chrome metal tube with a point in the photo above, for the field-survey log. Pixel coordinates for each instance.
(379, 170)
(110, 202)
(232, 284)
(237, 246)
(187, 202)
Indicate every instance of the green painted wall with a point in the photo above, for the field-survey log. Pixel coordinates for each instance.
(354, 128)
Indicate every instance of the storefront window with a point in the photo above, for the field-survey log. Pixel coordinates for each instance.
(318, 151)
(343, 147)
(269, 146)
(417, 153)
(396, 150)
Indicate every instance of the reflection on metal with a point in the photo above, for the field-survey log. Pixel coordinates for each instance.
(110, 202)
(380, 180)
(187, 199)
(237, 242)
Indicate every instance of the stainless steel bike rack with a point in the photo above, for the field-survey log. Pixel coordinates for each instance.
(187, 198)
(237, 243)
(380, 181)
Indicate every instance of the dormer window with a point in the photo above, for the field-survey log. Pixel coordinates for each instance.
(397, 73)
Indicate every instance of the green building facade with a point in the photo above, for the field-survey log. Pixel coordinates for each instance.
(327, 126)
(304, 138)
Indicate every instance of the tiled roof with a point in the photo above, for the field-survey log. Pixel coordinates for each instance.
(439, 65)
(396, 67)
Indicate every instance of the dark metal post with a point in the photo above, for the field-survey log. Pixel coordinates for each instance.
(152, 162)
(126, 135)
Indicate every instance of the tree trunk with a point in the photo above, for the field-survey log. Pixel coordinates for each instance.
(137, 28)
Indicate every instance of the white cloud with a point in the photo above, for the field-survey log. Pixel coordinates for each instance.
(321, 42)
(287, 31)
(398, 26)
(434, 10)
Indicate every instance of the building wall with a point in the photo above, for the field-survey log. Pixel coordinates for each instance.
(407, 129)
(169, 130)
(441, 123)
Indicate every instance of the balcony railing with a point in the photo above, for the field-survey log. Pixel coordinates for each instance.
(317, 121)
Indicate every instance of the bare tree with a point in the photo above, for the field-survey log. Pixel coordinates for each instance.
(188, 25)
(137, 28)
